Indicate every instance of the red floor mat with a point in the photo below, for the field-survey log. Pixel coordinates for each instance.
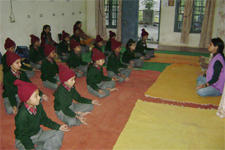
(104, 124)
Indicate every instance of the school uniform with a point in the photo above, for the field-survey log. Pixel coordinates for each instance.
(143, 50)
(9, 95)
(64, 107)
(75, 61)
(115, 67)
(28, 70)
(36, 55)
(63, 50)
(49, 70)
(96, 81)
(29, 133)
(129, 56)
(84, 48)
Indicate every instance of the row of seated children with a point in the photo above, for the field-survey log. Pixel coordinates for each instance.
(24, 102)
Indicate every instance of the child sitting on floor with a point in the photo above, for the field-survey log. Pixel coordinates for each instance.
(11, 100)
(36, 52)
(99, 43)
(75, 60)
(129, 56)
(28, 133)
(142, 49)
(212, 83)
(67, 111)
(10, 46)
(64, 46)
(49, 68)
(115, 68)
(46, 36)
(112, 36)
(97, 83)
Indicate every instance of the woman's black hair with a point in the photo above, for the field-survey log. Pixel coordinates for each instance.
(129, 43)
(220, 44)
(46, 26)
(77, 23)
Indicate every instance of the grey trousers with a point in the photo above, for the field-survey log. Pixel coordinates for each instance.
(125, 71)
(138, 63)
(45, 140)
(29, 74)
(83, 69)
(8, 107)
(84, 49)
(36, 66)
(73, 121)
(148, 54)
(103, 86)
(51, 85)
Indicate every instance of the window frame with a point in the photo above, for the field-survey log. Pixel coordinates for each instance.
(177, 9)
(109, 12)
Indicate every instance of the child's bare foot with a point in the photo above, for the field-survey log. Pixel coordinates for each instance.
(113, 89)
(127, 79)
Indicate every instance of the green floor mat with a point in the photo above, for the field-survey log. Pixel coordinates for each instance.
(154, 66)
(183, 53)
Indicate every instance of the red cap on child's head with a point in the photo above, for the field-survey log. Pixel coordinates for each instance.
(112, 34)
(98, 39)
(25, 90)
(48, 49)
(9, 43)
(97, 54)
(115, 44)
(144, 33)
(65, 73)
(11, 57)
(34, 38)
(64, 35)
(73, 44)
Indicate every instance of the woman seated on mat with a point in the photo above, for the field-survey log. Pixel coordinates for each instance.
(212, 83)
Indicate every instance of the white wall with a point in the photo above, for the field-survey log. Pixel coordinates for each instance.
(167, 34)
(219, 20)
(24, 26)
(171, 38)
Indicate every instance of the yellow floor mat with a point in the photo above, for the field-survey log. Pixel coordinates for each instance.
(154, 126)
(178, 82)
(172, 58)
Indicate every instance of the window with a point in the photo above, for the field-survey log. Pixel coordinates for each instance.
(197, 15)
(111, 11)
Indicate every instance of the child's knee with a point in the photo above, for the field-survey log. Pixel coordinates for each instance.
(201, 92)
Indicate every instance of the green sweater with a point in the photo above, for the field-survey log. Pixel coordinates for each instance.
(64, 98)
(76, 38)
(114, 63)
(95, 76)
(128, 56)
(49, 70)
(10, 90)
(75, 60)
(28, 124)
(108, 46)
(63, 47)
(36, 55)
